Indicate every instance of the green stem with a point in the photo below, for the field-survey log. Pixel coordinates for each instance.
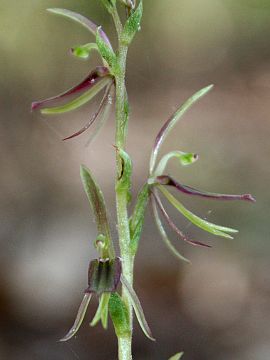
(124, 344)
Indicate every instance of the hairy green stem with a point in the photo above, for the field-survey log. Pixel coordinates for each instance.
(124, 344)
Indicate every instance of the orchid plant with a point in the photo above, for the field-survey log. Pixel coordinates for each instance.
(108, 272)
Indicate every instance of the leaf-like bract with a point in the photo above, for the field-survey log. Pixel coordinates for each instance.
(125, 171)
(119, 315)
(105, 50)
(97, 202)
(137, 219)
(132, 25)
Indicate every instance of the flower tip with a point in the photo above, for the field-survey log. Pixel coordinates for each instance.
(34, 105)
(249, 197)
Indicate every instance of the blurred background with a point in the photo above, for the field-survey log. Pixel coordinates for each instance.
(219, 307)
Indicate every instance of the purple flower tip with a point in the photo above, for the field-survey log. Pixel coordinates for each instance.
(248, 197)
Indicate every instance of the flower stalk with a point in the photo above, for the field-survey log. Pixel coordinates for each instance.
(108, 271)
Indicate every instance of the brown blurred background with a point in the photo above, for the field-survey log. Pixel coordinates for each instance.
(216, 309)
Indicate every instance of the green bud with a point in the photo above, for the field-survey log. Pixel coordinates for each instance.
(133, 25)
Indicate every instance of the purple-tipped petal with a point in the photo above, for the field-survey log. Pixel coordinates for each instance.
(79, 318)
(90, 25)
(103, 103)
(168, 180)
(173, 226)
(92, 79)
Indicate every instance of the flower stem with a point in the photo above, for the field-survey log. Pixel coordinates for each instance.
(124, 343)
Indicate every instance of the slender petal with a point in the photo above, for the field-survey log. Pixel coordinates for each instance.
(79, 101)
(184, 158)
(102, 311)
(201, 223)
(89, 82)
(177, 356)
(172, 224)
(79, 318)
(104, 116)
(172, 121)
(103, 103)
(90, 25)
(163, 233)
(168, 180)
(83, 51)
(137, 308)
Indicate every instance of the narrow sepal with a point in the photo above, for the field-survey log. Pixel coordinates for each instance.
(104, 116)
(132, 25)
(83, 51)
(173, 226)
(177, 356)
(137, 219)
(88, 24)
(89, 82)
(102, 311)
(79, 318)
(168, 180)
(137, 308)
(164, 235)
(104, 275)
(101, 106)
(79, 101)
(97, 203)
(119, 315)
(172, 121)
(199, 222)
(183, 157)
